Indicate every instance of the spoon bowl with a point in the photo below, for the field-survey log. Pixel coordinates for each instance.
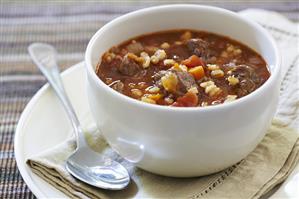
(92, 168)
(84, 164)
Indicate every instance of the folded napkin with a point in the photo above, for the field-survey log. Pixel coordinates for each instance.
(268, 165)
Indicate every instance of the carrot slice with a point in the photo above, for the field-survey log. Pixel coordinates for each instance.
(198, 72)
(190, 99)
(193, 61)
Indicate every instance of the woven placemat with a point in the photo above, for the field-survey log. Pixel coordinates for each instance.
(68, 26)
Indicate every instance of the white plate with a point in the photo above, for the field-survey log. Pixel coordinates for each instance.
(43, 124)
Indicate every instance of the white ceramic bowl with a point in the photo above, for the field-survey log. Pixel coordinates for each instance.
(174, 141)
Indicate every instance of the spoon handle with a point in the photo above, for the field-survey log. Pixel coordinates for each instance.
(44, 56)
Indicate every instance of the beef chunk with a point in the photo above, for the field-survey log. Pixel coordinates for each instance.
(198, 47)
(246, 72)
(248, 79)
(157, 76)
(246, 86)
(186, 81)
(135, 48)
(242, 71)
(128, 67)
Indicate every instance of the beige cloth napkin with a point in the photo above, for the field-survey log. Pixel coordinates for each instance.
(268, 165)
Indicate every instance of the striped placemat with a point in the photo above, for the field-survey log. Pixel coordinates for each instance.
(68, 25)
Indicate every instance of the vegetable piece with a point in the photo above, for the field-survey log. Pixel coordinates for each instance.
(190, 99)
(154, 97)
(198, 72)
(180, 67)
(148, 100)
(217, 73)
(193, 61)
(169, 82)
(232, 80)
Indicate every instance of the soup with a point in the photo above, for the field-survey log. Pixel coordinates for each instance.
(183, 68)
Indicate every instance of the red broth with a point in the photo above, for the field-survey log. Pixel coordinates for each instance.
(183, 68)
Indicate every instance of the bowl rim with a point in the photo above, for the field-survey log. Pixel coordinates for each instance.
(274, 76)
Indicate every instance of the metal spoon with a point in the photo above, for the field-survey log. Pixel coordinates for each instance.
(84, 164)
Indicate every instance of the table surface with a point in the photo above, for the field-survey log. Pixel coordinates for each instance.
(68, 25)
